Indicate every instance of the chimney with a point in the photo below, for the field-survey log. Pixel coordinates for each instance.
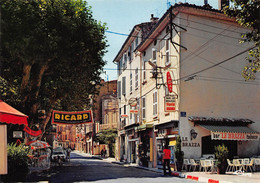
(153, 19)
(222, 4)
(206, 2)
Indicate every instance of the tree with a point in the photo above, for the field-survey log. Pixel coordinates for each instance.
(54, 50)
(247, 14)
(108, 137)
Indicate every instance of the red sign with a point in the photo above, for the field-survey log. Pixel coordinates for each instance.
(134, 111)
(32, 132)
(124, 116)
(169, 81)
(169, 103)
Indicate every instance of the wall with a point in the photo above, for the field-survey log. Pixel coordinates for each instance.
(220, 91)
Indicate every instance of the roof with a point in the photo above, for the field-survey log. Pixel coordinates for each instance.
(217, 121)
(145, 27)
(206, 11)
(230, 129)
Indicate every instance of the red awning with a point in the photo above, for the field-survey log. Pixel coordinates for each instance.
(9, 114)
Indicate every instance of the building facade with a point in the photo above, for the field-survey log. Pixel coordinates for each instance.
(183, 78)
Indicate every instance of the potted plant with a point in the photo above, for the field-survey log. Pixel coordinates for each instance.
(221, 154)
(179, 154)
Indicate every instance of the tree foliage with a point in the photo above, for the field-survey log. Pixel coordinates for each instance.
(54, 51)
(247, 14)
(107, 136)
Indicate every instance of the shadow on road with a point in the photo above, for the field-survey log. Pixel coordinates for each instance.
(82, 169)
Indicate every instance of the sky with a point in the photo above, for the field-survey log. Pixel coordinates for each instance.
(121, 16)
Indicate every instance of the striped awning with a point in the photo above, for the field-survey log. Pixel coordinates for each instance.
(232, 132)
(232, 129)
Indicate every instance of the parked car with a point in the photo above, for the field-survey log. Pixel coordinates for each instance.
(56, 155)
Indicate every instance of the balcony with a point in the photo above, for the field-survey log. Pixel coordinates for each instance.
(108, 126)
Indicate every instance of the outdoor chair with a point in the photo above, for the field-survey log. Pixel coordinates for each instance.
(231, 166)
(256, 164)
(205, 165)
(237, 164)
(193, 164)
(186, 164)
(249, 165)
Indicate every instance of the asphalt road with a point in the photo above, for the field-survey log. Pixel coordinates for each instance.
(86, 169)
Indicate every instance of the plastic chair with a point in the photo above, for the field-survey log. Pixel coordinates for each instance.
(249, 165)
(231, 166)
(237, 164)
(185, 165)
(256, 164)
(193, 164)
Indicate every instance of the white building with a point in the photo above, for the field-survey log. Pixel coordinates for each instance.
(208, 103)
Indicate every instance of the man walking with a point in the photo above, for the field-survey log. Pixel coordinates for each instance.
(166, 159)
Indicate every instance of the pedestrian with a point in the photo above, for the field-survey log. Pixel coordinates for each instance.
(166, 159)
(102, 153)
(68, 153)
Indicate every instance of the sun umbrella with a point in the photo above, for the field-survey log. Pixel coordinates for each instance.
(37, 144)
(9, 114)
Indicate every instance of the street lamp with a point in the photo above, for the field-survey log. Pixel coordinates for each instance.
(193, 134)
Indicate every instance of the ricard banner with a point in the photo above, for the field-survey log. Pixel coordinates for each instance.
(79, 117)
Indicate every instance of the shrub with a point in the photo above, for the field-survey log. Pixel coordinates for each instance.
(17, 162)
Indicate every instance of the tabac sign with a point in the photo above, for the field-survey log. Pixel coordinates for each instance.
(80, 117)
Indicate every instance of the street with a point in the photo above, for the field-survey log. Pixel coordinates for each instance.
(85, 169)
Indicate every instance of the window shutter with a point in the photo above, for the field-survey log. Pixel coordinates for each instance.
(123, 85)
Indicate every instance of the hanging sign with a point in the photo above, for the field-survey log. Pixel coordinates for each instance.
(79, 117)
(32, 132)
(17, 134)
(233, 136)
(169, 103)
(169, 81)
(134, 111)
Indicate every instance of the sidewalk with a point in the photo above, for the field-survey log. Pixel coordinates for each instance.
(196, 176)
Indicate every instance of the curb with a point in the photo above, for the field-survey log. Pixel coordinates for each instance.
(203, 179)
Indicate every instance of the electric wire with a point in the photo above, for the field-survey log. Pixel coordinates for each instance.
(226, 60)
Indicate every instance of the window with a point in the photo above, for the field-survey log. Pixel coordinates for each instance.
(132, 51)
(124, 62)
(131, 82)
(143, 108)
(167, 51)
(136, 42)
(144, 71)
(123, 85)
(137, 115)
(136, 78)
(155, 103)
(154, 57)
(119, 89)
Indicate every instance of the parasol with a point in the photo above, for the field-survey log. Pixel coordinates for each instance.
(9, 114)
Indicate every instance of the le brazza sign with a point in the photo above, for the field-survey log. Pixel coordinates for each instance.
(80, 117)
(233, 136)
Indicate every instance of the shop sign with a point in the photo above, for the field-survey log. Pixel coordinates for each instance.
(17, 134)
(233, 136)
(32, 132)
(80, 117)
(169, 103)
(190, 144)
(134, 111)
(169, 81)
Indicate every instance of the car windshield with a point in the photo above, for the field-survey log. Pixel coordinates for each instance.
(55, 153)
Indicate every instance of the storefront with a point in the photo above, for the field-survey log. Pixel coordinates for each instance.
(166, 134)
(235, 134)
(132, 142)
(145, 145)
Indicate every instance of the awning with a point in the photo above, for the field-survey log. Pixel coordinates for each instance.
(9, 115)
(144, 127)
(131, 126)
(220, 132)
(169, 124)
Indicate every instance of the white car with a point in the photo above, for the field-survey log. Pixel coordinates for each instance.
(58, 154)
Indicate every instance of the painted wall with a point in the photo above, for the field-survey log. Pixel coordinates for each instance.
(220, 91)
